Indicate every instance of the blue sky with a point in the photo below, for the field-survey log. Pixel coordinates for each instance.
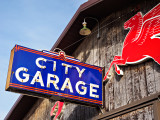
(35, 24)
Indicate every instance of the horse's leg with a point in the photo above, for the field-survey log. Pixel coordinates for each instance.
(105, 77)
(119, 62)
(118, 70)
(113, 62)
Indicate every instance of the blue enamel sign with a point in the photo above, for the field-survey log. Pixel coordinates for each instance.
(54, 75)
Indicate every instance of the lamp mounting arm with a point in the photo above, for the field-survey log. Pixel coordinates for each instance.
(98, 35)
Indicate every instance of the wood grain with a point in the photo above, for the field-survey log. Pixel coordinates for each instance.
(9, 75)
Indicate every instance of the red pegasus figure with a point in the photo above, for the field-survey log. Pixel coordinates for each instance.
(57, 109)
(142, 41)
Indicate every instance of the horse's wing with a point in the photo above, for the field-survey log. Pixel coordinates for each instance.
(155, 27)
(150, 28)
(152, 13)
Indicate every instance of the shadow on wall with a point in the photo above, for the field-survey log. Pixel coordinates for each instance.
(79, 112)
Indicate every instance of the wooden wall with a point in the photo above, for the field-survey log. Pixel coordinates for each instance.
(40, 111)
(145, 113)
(138, 81)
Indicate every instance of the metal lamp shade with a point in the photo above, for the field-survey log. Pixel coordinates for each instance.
(85, 31)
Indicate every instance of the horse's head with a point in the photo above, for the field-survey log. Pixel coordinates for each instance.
(133, 21)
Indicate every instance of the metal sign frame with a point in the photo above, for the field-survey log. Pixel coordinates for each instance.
(54, 75)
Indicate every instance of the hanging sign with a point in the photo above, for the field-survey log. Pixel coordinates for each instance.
(142, 42)
(49, 74)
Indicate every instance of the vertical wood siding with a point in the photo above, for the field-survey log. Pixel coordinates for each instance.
(138, 81)
(40, 111)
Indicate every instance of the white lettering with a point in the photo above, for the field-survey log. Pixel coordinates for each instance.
(38, 78)
(40, 59)
(24, 74)
(93, 90)
(69, 86)
(84, 88)
(80, 71)
(66, 67)
(54, 66)
(52, 81)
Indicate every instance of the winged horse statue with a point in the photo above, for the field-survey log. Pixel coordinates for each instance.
(142, 41)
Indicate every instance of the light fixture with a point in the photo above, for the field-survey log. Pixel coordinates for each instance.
(87, 31)
(84, 30)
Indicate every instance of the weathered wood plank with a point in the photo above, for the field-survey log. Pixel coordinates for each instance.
(109, 49)
(119, 44)
(107, 97)
(89, 51)
(117, 95)
(142, 82)
(150, 78)
(109, 58)
(136, 84)
(96, 50)
(133, 115)
(129, 84)
(122, 90)
(124, 117)
(145, 113)
(114, 37)
(140, 114)
(148, 113)
(111, 94)
(102, 45)
(157, 76)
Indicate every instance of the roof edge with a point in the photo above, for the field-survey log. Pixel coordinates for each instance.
(13, 107)
(82, 7)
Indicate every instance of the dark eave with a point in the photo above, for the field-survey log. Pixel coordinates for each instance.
(21, 107)
(93, 8)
